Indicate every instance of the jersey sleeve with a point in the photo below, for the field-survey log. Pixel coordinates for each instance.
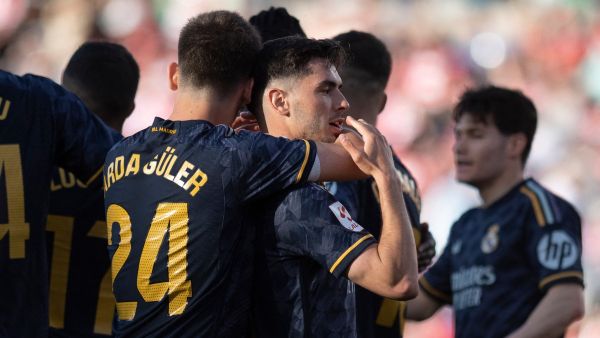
(273, 164)
(554, 247)
(82, 139)
(436, 281)
(312, 223)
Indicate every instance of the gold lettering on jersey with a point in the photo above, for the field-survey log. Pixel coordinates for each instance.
(66, 180)
(119, 167)
(163, 165)
(134, 165)
(5, 107)
(164, 130)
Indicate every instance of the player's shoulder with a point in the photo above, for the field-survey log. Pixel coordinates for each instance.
(310, 193)
(32, 86)
(547, 207)
(304, 199)
(465, 219)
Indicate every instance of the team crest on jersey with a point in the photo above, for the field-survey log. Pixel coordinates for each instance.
(557, 250)
(490, 241)
(344, 217)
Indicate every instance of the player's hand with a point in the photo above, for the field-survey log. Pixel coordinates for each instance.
(245, 121)
(372, 154)
(426, 250)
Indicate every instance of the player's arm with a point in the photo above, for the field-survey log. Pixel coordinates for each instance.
(562, 305)
(422, 307)
(333, 161)
(435, 287)
(560, 272)
(388, 268)
(82, 139)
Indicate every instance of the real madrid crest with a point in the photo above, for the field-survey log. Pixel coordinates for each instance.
(490, 241)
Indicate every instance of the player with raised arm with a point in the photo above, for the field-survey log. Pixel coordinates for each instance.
(306, 240)
(105, 76)
(365, 77)
(175, 192)
(512, 266)
(41, 125)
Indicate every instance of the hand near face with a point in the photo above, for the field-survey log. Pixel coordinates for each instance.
(245, 121)
(372, 154)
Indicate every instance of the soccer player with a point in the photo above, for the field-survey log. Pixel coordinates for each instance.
(365, 77)
(175, 192)
(306, 240)
(512, 267)
(105, 76)
(41, 125)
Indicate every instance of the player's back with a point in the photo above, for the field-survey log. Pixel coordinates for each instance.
(174, 198)
(81, 301)
(40, 124)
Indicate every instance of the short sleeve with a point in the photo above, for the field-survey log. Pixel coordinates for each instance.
(554, 249)
(436, 281)
(311, 223)
(274, 163)
(82, 139)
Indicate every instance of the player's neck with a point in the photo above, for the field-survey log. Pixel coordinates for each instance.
(204, 105)
(494, 190)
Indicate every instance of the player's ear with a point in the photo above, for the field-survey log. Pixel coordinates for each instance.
(174, 76)
(247, 92)
(278, 100)
(516, 145)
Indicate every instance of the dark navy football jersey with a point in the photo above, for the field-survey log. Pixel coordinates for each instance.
(378, 316)
(302, 234)
(501, 260)
(175, 196)
(41, 125)
(81, 300)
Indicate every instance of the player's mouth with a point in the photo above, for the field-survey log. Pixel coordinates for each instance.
(462, 165)
(335, 126)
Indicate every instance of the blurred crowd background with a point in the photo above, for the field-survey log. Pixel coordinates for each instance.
(549, 49)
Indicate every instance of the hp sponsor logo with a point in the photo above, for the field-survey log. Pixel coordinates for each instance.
(557, 250)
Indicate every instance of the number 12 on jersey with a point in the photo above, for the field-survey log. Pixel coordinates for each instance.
(171, 217)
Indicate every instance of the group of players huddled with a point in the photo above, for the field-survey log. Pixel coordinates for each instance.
(267, 205)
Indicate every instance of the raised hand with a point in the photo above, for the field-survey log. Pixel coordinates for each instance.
(374, 155)
(245, 121)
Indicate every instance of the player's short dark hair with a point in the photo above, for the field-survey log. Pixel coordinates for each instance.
(369, 61)
(105, 76)
(275, 23)
(217, 50)
(287, 58)
(510, 110)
